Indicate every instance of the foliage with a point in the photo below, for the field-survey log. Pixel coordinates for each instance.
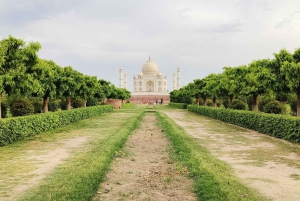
(178, 105)
(292, 101)
(18, 128)
(213, 179)
(183, 95)
(238, 105)
(37, 105)
(280, 126)
(77, 103)
(263, 101)
(92, 101)
(21, 107)
(274, 107)
(4, 110)
(126, 105)
(54, 105)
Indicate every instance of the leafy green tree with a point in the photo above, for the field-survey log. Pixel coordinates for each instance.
(70, 82)
(88, 88)
(15, 58)
(213, 87)
(48, 75)
(291, 71)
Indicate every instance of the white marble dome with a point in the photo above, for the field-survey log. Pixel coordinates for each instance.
(150, 67)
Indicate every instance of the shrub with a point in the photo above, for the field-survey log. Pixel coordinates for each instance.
(238, 105)
(292, 100)
(226, 103)
(53, 105)
(17, 128)
(77, 103)
(126, 105)
(280, 126)
(178, 105)
(37, 105)
(263, 101)
(274, 107)
(3, 110)
(209, 102)
(92, 101)
(21, 107)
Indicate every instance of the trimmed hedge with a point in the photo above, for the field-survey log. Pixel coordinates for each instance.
(279, 126)
(126, 105)
(18, 128)
(178, 105)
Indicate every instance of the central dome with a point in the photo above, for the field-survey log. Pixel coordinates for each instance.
(150, 67)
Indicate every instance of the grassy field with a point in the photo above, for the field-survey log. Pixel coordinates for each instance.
(213, 179)
(79, 175)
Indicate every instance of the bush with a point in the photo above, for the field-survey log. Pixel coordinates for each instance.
(292, 100)
(274, 107)
(178, 105)
(77, 103)
(53, 105)
(37, 105)
(63, 104)
(209, 102)
(13, 129)
(226, 103)
(21, 107)
(4, 110)
(92, 101)
(238, 105)
(263, 101)
(280, 126)
(126, 105)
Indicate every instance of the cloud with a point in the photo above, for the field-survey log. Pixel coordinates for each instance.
(230, 27)
(291, 19)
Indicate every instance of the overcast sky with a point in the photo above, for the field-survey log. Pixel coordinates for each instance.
(97, 37)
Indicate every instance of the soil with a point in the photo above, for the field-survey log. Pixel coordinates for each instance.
(276, 177)
(144, 171)
(45, 163)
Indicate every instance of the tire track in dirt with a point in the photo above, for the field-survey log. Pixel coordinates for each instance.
(278, 177)
(144, 171)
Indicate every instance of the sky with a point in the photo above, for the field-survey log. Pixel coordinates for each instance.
(97, 37)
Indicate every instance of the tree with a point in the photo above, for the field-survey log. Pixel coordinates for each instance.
(89, 87)
(291, 71)
(70, 82)
(15, 58)
(213, 87)
(47, 73)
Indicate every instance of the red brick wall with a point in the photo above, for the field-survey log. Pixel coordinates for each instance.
(117, 103)
(149, 99)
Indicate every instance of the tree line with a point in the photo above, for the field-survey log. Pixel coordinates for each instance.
(279, 76)
(23, 73)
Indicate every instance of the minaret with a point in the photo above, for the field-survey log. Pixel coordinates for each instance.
(125, 80)
(120, 78)
(174, 81)
(178, 78)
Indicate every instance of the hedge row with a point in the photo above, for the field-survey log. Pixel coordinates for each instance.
(279, 126)
(126, 105)
(178, 105)
(17, 128)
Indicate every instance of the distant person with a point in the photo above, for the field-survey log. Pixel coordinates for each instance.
(161, 101)
(156, 101)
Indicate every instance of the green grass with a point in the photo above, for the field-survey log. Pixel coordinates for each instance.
(213, 179)
(79, 176)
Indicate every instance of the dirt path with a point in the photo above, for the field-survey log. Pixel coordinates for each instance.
(144, 171)
(271, 166)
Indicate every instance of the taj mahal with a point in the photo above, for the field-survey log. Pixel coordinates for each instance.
(149, 85)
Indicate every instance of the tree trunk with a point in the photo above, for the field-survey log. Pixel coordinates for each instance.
(298, 104)
(204, 101)
(68, 104)
(0, 105)
(45, 104)
(231, 98)
(214, 102)
(84, 103)
(255, 103)
(197, 101)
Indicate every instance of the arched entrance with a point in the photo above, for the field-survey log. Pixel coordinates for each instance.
(150, 86)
